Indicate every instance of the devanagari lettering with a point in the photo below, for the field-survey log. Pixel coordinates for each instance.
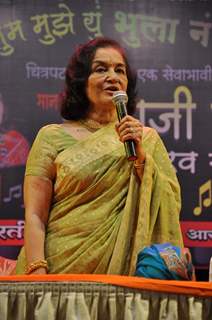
(3, 235)
(201, 235)
(8, 232)
(150, 74)
(206, 73)
(46, 101)
(168, 116)
(200, 31)
(62, 22)
(171, 74)
(15, 232)
(15, 27)
(187, 160)
(10, 31)
(127, 24)
(42, 23)
(158, 28)
(56, 73)
(91, 21)
(35, 71)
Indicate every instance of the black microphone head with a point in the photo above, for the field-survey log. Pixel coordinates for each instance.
(119, 96)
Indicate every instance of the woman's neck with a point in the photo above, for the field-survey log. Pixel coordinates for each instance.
(103, 116)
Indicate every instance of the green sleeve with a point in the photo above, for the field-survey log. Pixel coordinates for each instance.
(41, 157)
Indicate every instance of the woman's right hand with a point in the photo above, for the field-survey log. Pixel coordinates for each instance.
(130, 128)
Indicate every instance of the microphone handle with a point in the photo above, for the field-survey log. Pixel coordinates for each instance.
(130, 150)
(129, 144)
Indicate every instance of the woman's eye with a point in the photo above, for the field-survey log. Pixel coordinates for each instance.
(120, 70)
(100, 69)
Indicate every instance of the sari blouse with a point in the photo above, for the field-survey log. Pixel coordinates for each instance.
(101, 214)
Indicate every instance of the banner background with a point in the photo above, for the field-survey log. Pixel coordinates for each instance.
(169, 44)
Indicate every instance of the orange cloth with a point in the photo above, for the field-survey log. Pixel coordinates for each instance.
(178, 287)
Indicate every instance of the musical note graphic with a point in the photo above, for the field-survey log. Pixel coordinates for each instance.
(14, 192)
(205, 189)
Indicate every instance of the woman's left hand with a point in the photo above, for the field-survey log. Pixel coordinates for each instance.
(130, 128)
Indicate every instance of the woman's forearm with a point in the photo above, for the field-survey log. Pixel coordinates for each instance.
(34, 236)
(37, 200)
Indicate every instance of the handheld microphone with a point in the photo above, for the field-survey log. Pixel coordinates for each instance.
(120, 101)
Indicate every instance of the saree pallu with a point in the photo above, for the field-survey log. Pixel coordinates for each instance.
(101, 214)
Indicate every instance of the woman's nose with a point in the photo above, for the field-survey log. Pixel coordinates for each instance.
(112, 76)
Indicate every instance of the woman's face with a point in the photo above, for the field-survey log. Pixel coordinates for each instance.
(108, 74)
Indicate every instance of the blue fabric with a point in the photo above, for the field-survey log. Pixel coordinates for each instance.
(165, 261)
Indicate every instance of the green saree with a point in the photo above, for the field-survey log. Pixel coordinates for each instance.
(101, 214)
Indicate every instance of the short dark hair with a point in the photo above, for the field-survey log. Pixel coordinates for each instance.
(74, 102)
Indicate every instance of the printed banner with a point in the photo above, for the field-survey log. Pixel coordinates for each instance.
(169, 44)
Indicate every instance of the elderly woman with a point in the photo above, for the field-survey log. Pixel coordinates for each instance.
(89, 209)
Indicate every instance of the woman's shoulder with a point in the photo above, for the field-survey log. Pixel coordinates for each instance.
(49, 130)
(53, 127)
(48, 133)
(55, 135)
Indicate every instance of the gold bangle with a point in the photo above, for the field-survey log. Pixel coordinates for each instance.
(36, 265)
(139, 166)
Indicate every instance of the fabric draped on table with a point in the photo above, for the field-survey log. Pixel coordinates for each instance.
(101, 215)
(164, 261)
(93, 301)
